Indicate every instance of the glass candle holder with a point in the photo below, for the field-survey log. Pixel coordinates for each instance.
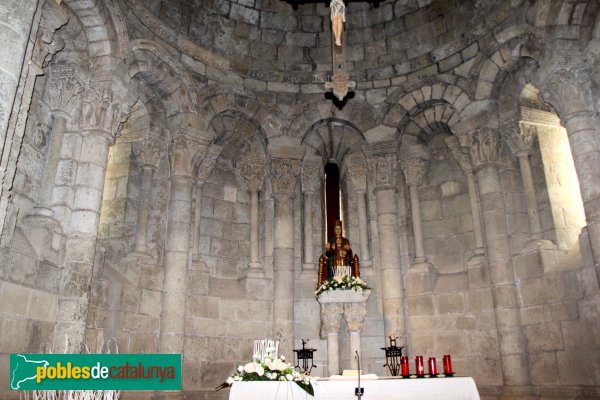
(404, 365)
(419, 366)
(432, 366)
(448, 365)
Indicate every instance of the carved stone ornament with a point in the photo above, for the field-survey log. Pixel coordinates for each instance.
(65, 89)
(354, 169)
(311, 175)
(105, 107)
(151, 151)
(331, 316)
(250, 172)
(208, 162)
(519, 137)
(382, 163)
(183, 155)
(414, 160)
(485, 147)
(283, 174)
(459, 153)
(354, 314)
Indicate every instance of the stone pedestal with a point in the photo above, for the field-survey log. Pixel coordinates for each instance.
(352, 306)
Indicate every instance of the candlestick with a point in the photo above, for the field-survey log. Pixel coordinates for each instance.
(432, 367)
(419, 366)
(448, 365)
(405, 367)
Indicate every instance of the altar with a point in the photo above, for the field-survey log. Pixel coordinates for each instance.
(456, 388)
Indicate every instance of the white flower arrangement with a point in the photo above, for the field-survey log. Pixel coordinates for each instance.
(270, 368)
(344, 282)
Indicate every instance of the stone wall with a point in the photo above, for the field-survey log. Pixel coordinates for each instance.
(245, 79)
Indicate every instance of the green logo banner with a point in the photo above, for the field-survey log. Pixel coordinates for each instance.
(95, 371)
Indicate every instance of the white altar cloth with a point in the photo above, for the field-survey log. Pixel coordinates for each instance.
(458, 388)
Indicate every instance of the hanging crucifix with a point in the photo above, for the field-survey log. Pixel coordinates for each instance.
(340, 83)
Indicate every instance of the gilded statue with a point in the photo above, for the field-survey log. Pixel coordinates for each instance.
(338, 259)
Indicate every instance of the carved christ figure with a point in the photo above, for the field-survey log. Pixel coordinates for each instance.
(338, 17)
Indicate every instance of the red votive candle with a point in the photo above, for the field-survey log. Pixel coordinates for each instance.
(448, 364)
(404, 365)
(419, 366)
(432, 366)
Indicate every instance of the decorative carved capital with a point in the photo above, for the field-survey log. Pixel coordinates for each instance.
(354, 314)
(207, 163)
(331, 316)
(183, 153)
(150, 152)
(283, 174)
(250, 172)
(105, 106)
(459, 153)
(485, 147)
(65, 88)
(414, 160)
(354, 168)
(569, 89)
(383, 164)
(519, 137)
(312, 174)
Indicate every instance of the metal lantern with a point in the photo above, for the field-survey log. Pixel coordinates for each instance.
(392, 357)
(306, 356)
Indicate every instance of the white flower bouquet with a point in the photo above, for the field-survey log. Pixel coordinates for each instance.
(344, 282)
(270, 368)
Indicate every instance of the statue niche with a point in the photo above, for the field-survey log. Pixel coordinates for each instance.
(338, 259)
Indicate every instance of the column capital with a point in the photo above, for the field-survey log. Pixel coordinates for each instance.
(250, 172)
(485, 147)
(105, 106)
(64, 89)
(284, 175)
(150, 152)
(331, 316)
(207, 163)
(519, 137)
(383, 163)
(311, 174)
(460, 154)
(354, 314)
(354, 168)
(414, 160)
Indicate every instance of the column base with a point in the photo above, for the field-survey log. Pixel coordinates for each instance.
(45, 234)
(422, 265)
(254, 282)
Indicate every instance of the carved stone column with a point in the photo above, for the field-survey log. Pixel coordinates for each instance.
(485, 147)
(331, 317)
(204, 171)
(251, 172)
(312, 180)
(105, 106)
(187, 146)
(355, 313)
(413, 160)
(39, 20)
(284, 176)
(355, 169)
(149, 157)
(352, 305)
(461, 156)
(519, 137)
(383, 166)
